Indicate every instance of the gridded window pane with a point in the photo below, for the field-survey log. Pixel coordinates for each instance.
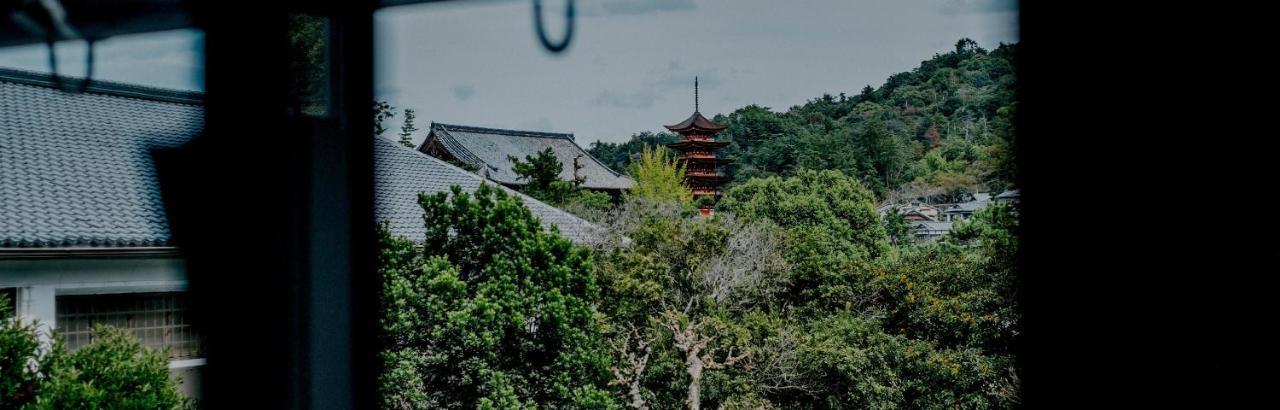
(157, 319)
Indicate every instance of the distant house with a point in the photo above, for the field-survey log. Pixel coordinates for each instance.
(929, 231)
(1012, 196)
(488, 150)
(926, 222)
(965, 210)
(84, 236)
(912, 212)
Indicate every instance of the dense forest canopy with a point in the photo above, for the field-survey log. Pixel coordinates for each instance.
(940, 131)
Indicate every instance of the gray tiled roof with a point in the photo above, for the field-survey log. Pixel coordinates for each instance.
(932, 225)
(1012, 193)
(489, 148)
(969, 207)
(402, 173)
(76, 169)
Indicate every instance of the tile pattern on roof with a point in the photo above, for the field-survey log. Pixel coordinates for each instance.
(933, 225)
(969, 207)
(401, 173)
(1013, 193)
(76, 170)
(489, 148)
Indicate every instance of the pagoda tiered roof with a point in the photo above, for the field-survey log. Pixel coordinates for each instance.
(714, 179)
(705, 160)
(692, 144)
(696, 122)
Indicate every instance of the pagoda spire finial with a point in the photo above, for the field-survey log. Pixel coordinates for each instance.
(695, 93)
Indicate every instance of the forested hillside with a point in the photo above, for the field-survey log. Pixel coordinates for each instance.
(941, 130)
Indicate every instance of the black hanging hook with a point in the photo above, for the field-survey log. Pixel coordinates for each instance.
(542, 32)
(56, 78)
(88, 65)
(48, 19)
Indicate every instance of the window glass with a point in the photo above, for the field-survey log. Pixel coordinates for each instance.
(158, 320)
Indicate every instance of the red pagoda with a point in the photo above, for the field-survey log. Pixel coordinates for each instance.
(698, 148)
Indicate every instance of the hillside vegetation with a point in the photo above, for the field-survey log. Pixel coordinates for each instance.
(939, 131)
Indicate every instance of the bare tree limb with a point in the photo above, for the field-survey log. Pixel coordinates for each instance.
(633, 365)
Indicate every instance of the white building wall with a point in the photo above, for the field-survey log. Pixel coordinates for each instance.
(41, 281)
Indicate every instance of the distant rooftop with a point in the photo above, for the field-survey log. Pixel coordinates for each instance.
(971, 206)
(932, 225)
(401, 173)
(489, 148)
(1012, 193)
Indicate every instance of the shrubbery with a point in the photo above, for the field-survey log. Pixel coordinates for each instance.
(114, 371)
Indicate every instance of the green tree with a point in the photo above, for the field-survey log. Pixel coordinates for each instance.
(659, 177)
(620, 156)
(762, 142)
(881, 155)
(23, 366)
(827, 199)
(956, 303)
(542, 171)
(676, 293)
(896, 227)
(381, 112)
(1003, 153)
(968, 46)
(491, 311)
(833, 229)
(407, 129)
(846, 361)
(114, 371)
(867, 93)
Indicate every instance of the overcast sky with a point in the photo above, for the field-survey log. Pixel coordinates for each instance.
(630, 67)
